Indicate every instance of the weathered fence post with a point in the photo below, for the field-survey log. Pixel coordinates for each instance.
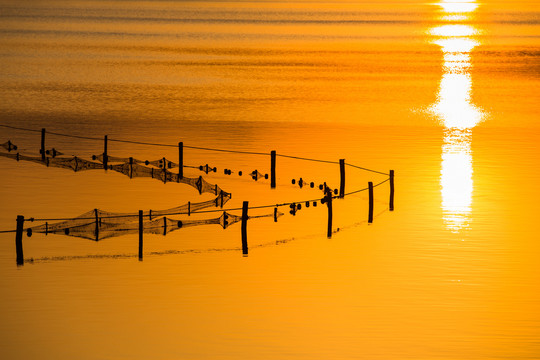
(244, 228)
(370, 214)
(273, 169)
(42, 145)
(131, 167)
(180, 160)
(342, 174)
(105, 156)
(140, 235)
(18, 240)
(391, 206)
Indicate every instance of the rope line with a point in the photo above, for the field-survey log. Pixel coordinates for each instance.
(18, 128)
(229, 151)
(366, 169)
(308, 159)
(198, 148)
(193, 147)
(74, 136)
(198, 212)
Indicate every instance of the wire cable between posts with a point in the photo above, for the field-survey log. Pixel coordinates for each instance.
(192, 147)
(197, 212)
(198, 148)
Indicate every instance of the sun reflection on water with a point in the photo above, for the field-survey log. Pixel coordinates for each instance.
(456, 112)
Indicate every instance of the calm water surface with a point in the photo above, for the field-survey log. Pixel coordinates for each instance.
(445, 93)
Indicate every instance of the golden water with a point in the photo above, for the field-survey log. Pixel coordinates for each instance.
(444, 93)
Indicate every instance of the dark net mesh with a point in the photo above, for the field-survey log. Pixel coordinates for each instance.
(98, 225)
(127, 166)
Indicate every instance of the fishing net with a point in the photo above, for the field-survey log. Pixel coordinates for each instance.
(8, 145)
(127, 166)
(100, 224)
(94, 226)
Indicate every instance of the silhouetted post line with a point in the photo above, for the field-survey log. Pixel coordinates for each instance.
(275, 214)
(42, 145)
(391, 206)
(342, 182)
(105, 156)
(370, 214)
(180, 160)
(140, 234)
(18, 240)
(244, 228)
(273, 169)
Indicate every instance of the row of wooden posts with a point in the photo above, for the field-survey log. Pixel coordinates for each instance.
(327, 199)
(273, 156)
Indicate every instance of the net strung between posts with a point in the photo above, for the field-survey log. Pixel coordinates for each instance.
(157, 163)
(98, 225)
(8, 145)
(129, 167)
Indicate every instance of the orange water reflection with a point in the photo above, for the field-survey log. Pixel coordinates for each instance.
(457, 113)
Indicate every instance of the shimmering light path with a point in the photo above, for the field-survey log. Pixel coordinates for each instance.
(456, 111)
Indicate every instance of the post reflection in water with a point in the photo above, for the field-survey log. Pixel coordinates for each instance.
(456, 112)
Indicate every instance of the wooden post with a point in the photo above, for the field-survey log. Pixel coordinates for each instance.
(164, 170)
(370, 214)
(43, 145)
(328, 197)
(342, 174)
(273, 169)
(391, 190)
(18, 240)
(140, 235)
(164, 225)
(96, 232)
(180, 161)
(105, 156)
(244, 228)
(131, 167)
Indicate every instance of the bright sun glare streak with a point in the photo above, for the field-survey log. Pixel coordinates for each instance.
(453, 31)
(456, 178)
(456, 112)
(458, 6)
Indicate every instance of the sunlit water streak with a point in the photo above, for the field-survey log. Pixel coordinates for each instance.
(457, 113)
